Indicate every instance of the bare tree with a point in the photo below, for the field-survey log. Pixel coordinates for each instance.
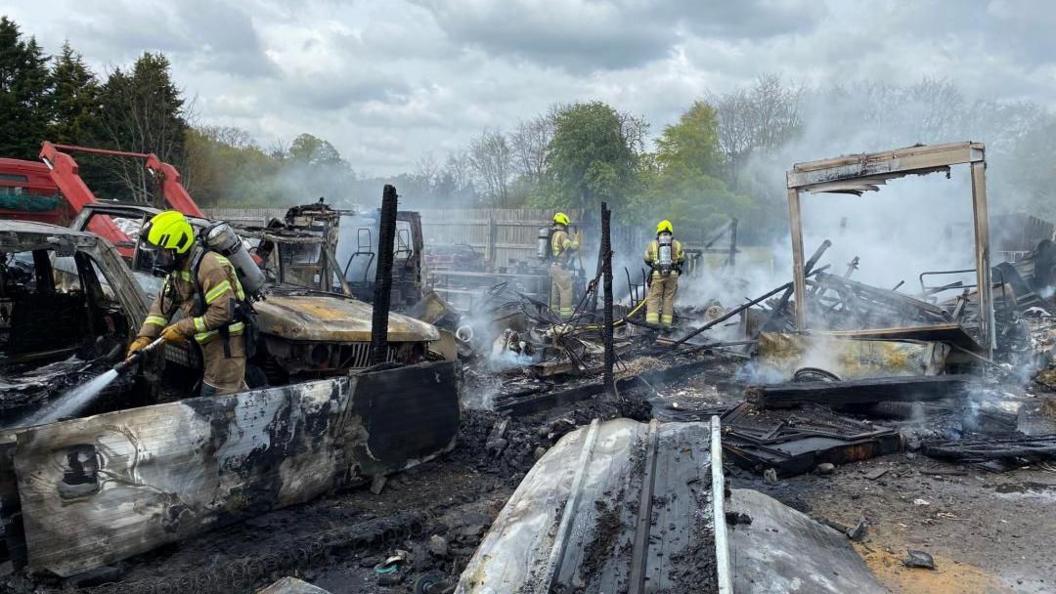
(427, 170)
(756, 119)
(459, 168)
(491, 159)
(529, 143)
(635, 130)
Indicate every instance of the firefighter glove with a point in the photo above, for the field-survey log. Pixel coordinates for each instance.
(137, 344)
(172, 333)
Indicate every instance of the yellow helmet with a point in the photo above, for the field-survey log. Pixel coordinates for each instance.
(665, 225)
(562, 219)
(169, 230)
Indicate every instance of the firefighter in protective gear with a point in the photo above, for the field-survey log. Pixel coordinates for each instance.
(202, 285)
(563, 247)
(665, 256)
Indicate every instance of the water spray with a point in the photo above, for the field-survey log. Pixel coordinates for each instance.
(74, 400)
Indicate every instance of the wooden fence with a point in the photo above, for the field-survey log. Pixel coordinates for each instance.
(503, 235)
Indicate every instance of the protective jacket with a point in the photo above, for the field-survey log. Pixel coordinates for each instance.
(562, 246)
(207, 291)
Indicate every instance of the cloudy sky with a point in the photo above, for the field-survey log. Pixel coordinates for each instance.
(388, 81)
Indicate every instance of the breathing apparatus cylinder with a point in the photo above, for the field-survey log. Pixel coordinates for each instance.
(542, 244)
(221, 238)
(664, 258)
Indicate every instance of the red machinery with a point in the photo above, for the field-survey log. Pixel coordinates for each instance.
(65, 174)
(27, 192)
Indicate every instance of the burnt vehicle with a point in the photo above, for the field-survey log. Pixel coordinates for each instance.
(67, 309)
(147, 468)
(306, 332)
(319, 247)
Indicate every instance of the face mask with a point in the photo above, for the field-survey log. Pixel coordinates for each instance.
(165, 262)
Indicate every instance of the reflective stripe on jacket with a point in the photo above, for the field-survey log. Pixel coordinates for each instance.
(220, 288)
(562, 245)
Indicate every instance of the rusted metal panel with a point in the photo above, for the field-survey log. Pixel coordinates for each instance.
(103, 488)
(780, 355)
(333, 319)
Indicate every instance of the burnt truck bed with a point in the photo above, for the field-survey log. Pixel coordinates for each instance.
(620, 506)
(96, 490)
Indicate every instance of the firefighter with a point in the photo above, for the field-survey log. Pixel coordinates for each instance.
(203, 285)
(665, 256)
(563, 247)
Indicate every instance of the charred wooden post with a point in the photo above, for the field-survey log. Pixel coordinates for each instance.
(606, 270)
(379, 328)
(731, 260)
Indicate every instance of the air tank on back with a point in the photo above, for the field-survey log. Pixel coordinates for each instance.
(221, 238)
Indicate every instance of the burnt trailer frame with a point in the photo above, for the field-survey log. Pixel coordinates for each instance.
(864, 172)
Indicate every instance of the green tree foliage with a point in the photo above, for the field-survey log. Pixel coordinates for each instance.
(692, 143)
(591, 156)
(224, 167)
(75, 99)
(309, 150)
(25, 93)
(682, 180)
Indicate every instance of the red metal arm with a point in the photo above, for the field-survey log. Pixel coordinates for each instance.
(176, 196)
(172, 188)
(66, 175)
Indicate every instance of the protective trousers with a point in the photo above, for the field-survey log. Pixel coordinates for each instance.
(561, 291)
(660, 302)
(222, 374)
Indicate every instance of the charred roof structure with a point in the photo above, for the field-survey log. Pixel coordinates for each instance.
(866, 172)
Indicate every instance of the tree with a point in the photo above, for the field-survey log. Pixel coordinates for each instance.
(592, 156)
(310, 150)
(683, 181)
(693, 143)
(529, 144)
(25, 93)
(759, 119)
(142, 111)
(491, 159)
(75, 99)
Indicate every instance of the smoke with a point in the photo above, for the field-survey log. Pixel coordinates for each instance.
(911, 225)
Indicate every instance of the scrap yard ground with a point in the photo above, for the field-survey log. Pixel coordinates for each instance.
(987, 532)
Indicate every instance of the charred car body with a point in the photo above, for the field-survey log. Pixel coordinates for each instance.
(305, 332)
(69, 303)
(319, 247)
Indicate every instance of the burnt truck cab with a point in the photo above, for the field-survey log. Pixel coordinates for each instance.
(131, 472)
(320, 247)
(305, 333)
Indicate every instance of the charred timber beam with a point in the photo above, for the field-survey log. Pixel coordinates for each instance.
(606, 270)
(887, 297)
(526, 403)
(736, 311)
(818, 253)
(379, 328)
(862, 391)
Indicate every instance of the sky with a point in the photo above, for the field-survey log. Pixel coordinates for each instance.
(389, 82)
